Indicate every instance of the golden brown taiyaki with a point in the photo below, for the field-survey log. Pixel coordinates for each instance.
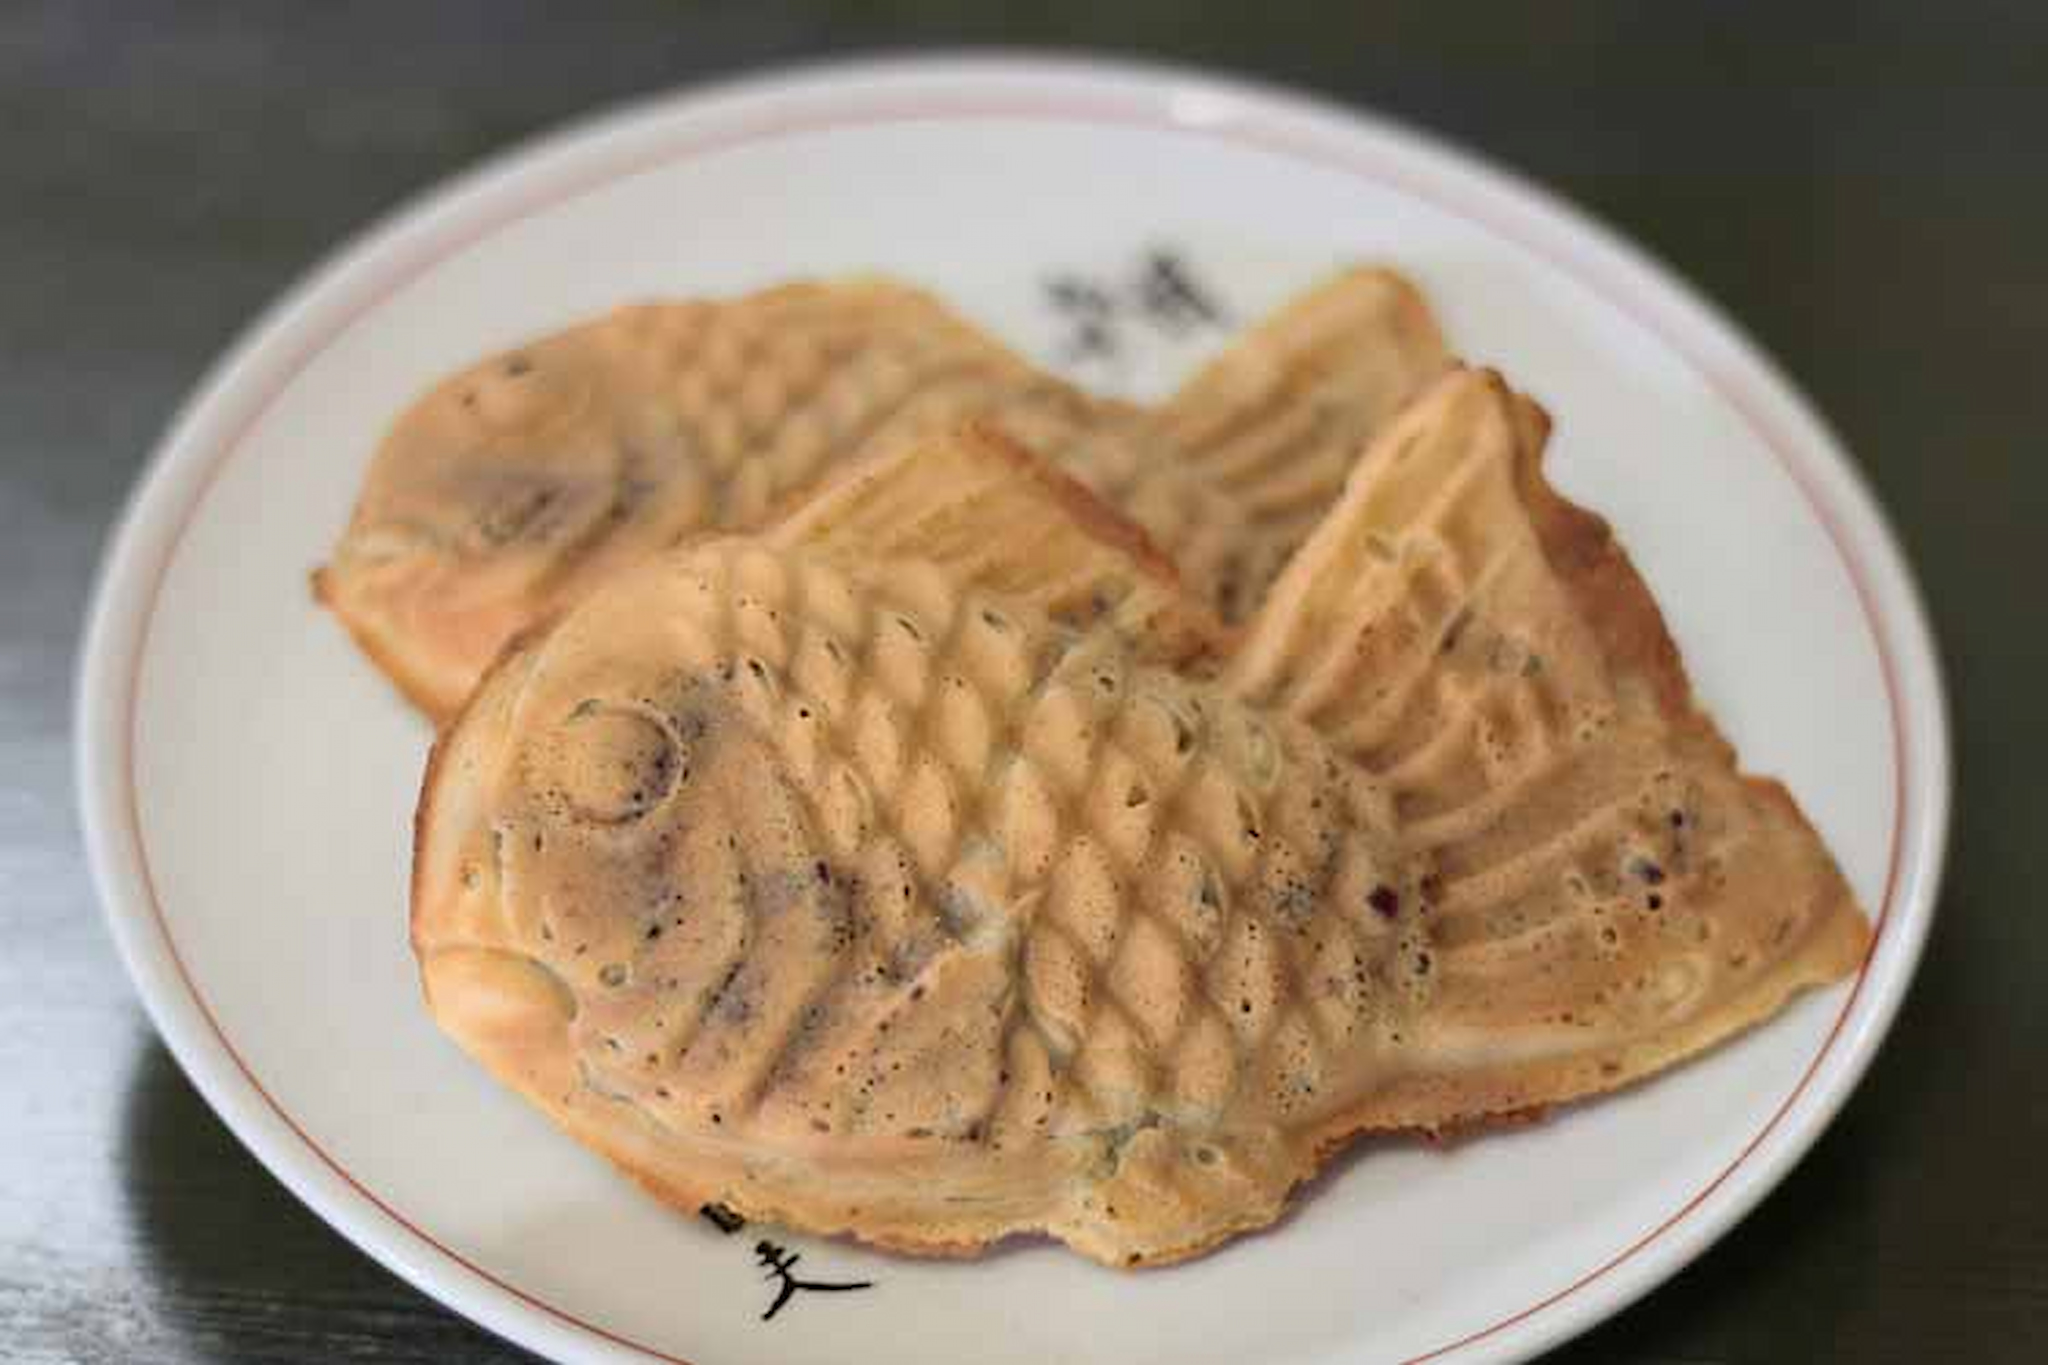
(515, 486)
(903, 870)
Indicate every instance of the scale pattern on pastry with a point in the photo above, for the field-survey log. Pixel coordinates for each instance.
(937, 897)
(512, 488)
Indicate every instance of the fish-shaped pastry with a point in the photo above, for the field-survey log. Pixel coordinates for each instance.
(513, 487)
(917, 869)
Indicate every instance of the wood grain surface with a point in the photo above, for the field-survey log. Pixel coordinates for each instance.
(1866, 189)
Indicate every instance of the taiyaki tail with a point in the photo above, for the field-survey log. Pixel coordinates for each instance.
(1273, 424)
(1609, 892)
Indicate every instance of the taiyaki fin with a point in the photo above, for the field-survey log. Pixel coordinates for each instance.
(986, 515)
(1608, 892)
(1274, 424)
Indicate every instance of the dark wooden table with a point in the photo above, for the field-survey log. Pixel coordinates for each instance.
(1868, 191)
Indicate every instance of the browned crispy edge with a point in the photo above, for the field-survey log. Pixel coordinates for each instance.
(1603, 582)
(423, 805)
(1604, 585)
(1078, 501)
(385, 659)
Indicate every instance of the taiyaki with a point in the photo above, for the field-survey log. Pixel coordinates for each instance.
(513, 487)
(945, 882)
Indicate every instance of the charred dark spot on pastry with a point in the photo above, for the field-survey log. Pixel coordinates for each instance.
(715, 1002)
(1231, 588)
(1136, 796)
(1654, 901)
(1294, 900)
(518, 511)
(959, 911)
(1460, 619)
(636, 483)
(1384, 899)
(1647, 872)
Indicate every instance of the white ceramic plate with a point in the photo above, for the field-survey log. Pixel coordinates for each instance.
(247, 779)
